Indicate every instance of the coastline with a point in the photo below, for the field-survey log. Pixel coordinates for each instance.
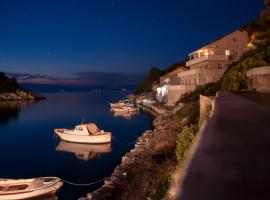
(136, 170)
(20, 94)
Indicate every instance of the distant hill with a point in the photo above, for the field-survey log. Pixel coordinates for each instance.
(10, 90)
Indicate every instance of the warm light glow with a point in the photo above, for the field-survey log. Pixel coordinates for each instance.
(250, 44)
(162, 91)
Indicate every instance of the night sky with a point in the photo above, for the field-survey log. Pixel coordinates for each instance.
(56, 39)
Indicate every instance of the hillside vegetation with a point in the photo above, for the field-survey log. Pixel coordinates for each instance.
(8, 84)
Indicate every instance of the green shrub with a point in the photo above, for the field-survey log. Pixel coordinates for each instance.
(235, 78)
(161, 186)
(184, 142)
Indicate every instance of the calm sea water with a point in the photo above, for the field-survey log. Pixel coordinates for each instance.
(29, 149)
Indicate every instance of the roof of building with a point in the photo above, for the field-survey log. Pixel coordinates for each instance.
(175, 71)
(214, 41)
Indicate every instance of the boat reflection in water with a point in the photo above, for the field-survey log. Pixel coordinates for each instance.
(84, 151)
(124, 115)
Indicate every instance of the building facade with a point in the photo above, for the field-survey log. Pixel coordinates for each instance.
(167, 83)
(207, 64)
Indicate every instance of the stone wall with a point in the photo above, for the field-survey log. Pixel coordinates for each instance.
(207, 104)
(259, 79)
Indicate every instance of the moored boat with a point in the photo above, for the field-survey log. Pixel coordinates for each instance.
(117, 105)
(125, 109)
(84, 133)
(121, 104)
(11, 189)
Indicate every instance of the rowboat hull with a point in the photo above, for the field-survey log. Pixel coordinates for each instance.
(30, 193)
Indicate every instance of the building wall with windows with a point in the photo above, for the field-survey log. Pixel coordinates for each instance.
(207, 64)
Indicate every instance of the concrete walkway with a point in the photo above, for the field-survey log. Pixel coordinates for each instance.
(232, 159)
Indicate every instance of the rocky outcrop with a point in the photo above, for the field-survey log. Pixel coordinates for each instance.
(20, 94)
(11, 90)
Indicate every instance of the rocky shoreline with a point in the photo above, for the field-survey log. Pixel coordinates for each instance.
(20, 94)
(135, 175)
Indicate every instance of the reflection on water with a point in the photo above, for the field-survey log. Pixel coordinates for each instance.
(84, 151)
(11, 109)
(34, 153)
(46, 197)
(124, 115)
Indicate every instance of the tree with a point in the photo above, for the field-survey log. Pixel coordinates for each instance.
(261, 37)
(7, 84)
(152, 77)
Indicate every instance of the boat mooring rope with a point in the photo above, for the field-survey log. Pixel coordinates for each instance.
(82, 184)
(125, 143)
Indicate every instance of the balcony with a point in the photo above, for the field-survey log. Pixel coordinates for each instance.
(206, 58)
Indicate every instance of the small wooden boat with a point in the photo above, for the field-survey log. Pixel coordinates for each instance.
(84, 133)
(11, 189)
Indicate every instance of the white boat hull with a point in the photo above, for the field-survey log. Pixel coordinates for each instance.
(90, 139)
(125, 110)
(34, 193)
(117, 105)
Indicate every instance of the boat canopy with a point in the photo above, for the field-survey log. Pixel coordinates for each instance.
(92, 128)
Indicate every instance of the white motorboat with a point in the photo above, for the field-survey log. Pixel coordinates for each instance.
(121, 104)
(84, 133)
(11, 189)
(121, 110)
(117, 105)
(84, 151)
(125, 109)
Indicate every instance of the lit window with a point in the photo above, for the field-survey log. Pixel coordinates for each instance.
(227, 52)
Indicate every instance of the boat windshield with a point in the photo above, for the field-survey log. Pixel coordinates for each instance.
(17, 187)
(93, 129)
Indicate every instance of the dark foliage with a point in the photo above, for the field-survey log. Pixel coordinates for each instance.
(7, 84)
(152, 77)
(261, 36)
